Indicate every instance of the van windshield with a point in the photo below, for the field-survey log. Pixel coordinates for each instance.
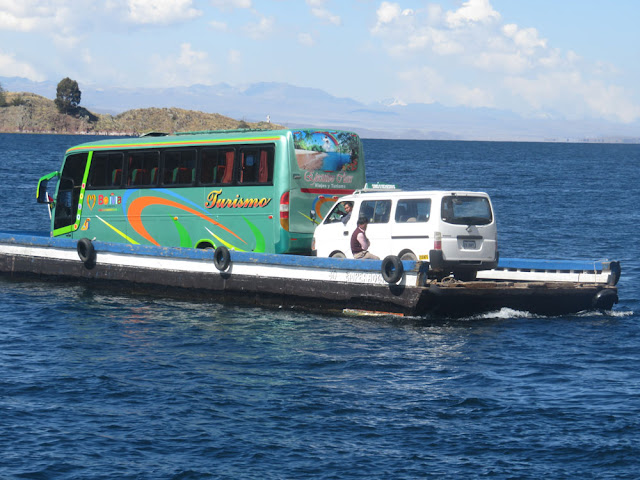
(466, 210)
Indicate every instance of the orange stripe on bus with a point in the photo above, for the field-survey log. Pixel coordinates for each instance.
(134, 215)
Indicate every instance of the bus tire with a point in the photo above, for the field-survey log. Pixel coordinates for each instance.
(221, 258)
(392, 269)
(86, 251)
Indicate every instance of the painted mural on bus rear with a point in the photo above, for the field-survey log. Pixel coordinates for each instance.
(246, 190)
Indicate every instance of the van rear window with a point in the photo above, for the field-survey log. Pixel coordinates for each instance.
(466, 210)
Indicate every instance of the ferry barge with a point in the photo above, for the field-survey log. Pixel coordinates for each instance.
(311, 283)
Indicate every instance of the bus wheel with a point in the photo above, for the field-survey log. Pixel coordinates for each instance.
(337, 255)
(221, 258)
(86, 251)
(392, 269)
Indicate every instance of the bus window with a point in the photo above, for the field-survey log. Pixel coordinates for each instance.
(143, 168)
(256, 165)
(216, 166)
(106, 170)
(179, 167)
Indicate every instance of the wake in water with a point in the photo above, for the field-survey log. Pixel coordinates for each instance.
(509, 313)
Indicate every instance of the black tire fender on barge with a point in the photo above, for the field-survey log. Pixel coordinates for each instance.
(392, 269)
(86, 252)
(604, 299)
(221, 258)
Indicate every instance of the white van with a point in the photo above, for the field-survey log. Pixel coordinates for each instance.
(453, 230)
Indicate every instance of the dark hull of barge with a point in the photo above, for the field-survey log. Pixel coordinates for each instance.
(285, 281)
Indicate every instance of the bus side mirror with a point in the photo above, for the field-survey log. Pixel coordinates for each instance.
(41, 195)
(42, 192)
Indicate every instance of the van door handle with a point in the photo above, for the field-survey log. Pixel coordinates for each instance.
(345, 233)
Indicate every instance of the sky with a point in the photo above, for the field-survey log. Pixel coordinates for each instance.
(571, 59)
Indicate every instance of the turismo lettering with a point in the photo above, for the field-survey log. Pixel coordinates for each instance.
(214, 200)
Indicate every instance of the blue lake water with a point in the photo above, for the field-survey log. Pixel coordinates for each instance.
(100, 385)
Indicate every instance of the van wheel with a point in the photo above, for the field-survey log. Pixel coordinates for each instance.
(337, 255)
(410, 256)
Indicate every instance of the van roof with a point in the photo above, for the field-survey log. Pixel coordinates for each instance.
(396, 193)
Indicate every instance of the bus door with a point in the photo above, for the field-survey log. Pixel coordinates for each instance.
(68, 197)
(103, 216)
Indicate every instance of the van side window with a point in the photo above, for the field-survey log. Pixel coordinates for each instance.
(413, 210)
(376, 211)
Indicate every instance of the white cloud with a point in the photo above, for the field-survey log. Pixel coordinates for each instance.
(472, 11)
(502, 62)
(319, 10)
(524, 38)
(235, 57)
(306, 39)
(220, 26)
(470, 57)
(578, 97)
(187, 68)
(161, 12)
(228, 5)
(427, 85)
(37, 16)
(10, 67)
(25, 16)
(263, 28)
(389, 13)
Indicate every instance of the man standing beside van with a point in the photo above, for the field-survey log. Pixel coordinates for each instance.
(360, 242)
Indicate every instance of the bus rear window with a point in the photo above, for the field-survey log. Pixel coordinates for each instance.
(464, 210)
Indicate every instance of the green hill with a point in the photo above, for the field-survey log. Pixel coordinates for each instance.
(31, 113)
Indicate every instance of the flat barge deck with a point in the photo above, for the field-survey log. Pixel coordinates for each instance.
(310, 283)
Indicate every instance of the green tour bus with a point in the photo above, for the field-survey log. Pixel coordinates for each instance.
(247, 190)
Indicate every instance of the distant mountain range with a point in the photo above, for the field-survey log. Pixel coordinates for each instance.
(298, 107)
